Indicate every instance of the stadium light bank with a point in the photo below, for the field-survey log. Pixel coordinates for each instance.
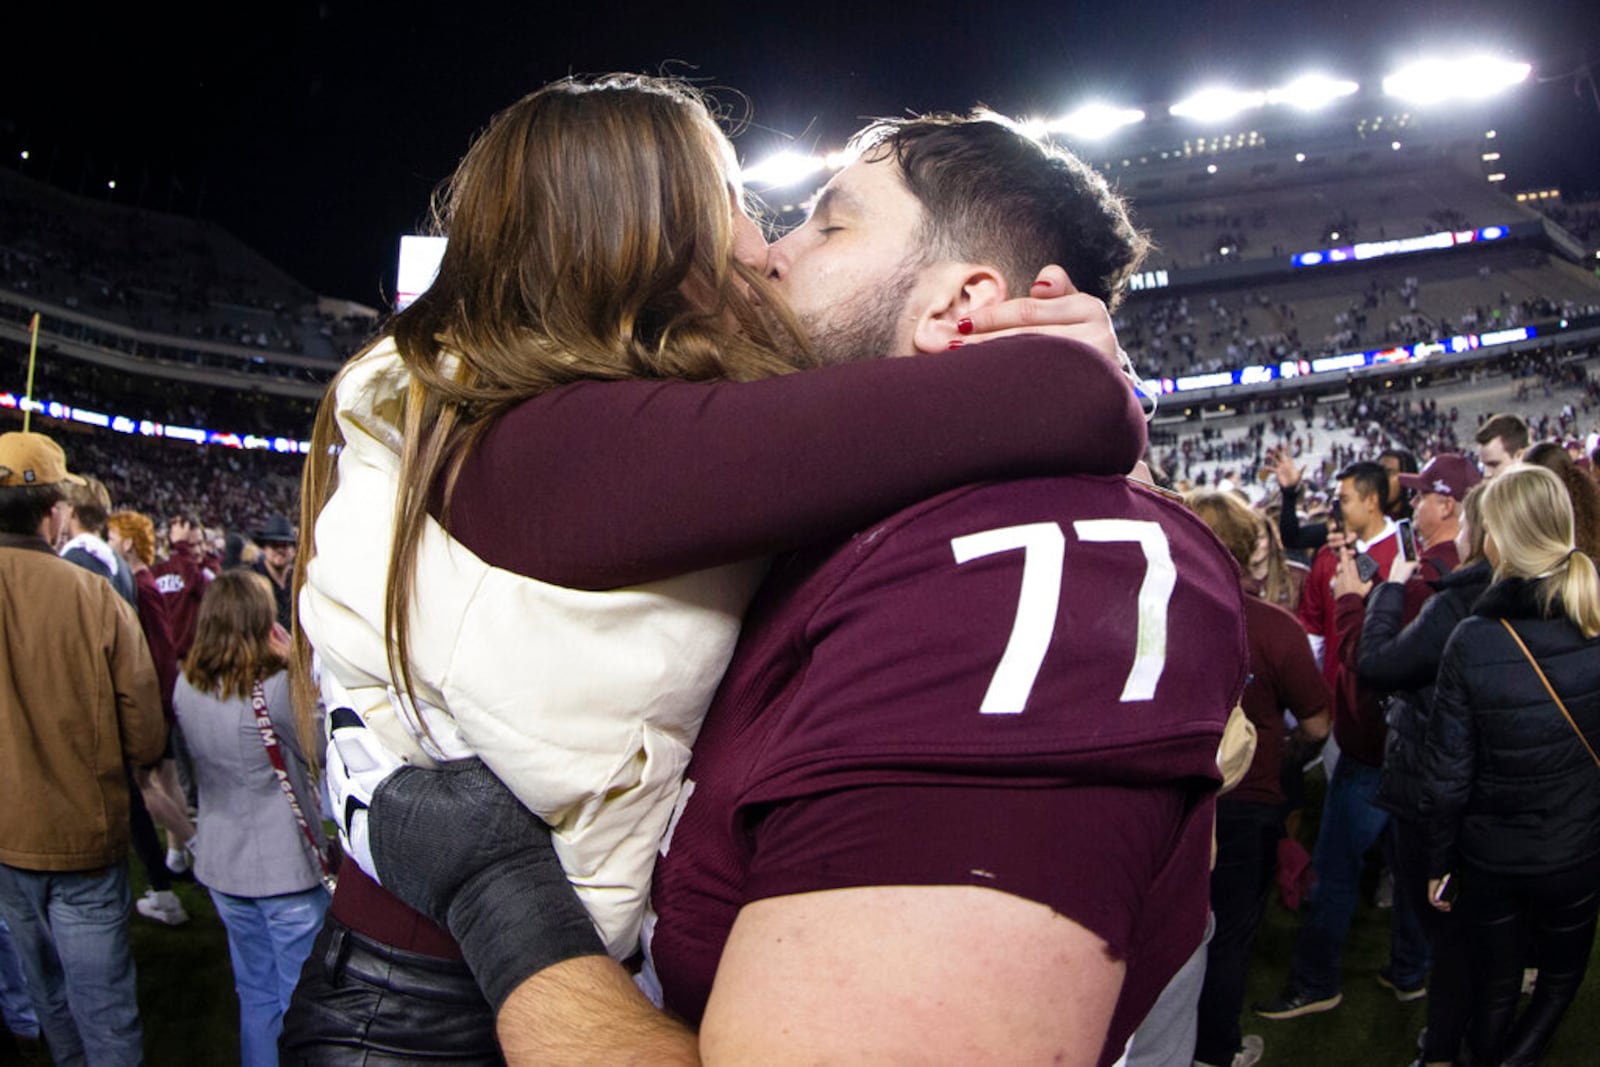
(1309, 92)
(1431, 81)
(1439, 81)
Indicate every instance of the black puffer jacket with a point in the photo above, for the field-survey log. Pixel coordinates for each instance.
(1405, 663)
(1509, 788)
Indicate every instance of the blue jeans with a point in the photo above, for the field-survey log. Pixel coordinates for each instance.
(1413, 921)
(1351, 824)
(268, 941)
(70, 929)
(16, 1007)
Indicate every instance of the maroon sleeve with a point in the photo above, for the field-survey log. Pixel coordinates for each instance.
(1349, 615)
(1300, 686)
(599, 485)
(1314, 595)
(158, 635)
(1437, 561)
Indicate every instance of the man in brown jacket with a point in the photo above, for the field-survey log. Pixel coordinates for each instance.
(78, 702)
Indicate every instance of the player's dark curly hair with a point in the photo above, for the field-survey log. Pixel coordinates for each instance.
(992, 194)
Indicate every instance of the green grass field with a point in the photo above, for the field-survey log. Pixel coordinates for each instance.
(190, 1013)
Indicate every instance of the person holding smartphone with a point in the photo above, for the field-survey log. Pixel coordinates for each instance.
(1331, 611)
(1404, 660)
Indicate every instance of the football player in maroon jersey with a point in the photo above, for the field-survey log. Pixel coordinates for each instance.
(953, 799)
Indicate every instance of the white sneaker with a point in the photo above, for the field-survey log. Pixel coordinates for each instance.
(163, 907)
(1250, 1049)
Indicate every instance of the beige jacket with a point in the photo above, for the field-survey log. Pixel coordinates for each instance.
(585, 704)
(78, 702)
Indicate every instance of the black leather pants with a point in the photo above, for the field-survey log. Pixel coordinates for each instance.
(1503, 914)
(361, 1002)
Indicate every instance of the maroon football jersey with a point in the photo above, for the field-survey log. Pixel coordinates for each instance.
(1019, 685)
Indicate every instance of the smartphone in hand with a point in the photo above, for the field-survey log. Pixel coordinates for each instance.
(1366, 567)
(1409, 550)
(1448, 890)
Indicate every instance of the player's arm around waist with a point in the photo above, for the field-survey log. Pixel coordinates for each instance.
(588, 1011)
(954, 974)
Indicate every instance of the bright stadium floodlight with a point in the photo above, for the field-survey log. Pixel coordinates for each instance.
(1312, 92)
(1216, 104)
(1435, 81)
(1094, 121)
(785, 168)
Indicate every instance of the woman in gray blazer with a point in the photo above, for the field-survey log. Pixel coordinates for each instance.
(255, 854)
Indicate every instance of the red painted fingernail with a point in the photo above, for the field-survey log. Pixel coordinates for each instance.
(957, 343)
(1041, 285)
(964, 326)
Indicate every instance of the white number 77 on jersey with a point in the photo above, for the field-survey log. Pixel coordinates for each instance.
(1044, 550)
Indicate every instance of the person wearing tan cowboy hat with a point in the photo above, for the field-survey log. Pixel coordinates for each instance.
(76, 681)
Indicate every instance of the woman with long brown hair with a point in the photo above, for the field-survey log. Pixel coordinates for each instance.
(262, 853)
(1580, 487)
(596, 233)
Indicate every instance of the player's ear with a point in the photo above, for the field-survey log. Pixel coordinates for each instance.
(954, 292)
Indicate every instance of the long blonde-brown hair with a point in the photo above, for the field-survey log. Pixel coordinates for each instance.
(1527, 511)
(590, 236)
(232, 648)
(1472, 520)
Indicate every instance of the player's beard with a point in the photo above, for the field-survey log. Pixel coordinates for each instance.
(866, 326)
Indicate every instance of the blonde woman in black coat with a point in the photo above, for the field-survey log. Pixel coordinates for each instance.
(1512, 796)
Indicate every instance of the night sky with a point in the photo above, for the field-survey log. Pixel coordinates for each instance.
(315, 131)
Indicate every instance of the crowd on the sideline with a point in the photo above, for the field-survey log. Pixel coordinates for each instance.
(1446, 758)
(205, 610)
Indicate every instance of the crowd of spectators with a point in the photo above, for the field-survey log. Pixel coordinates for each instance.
(227, 488)
(1182, 335)
(1580, 220)
(113, 392)
(1371, 417)
(161, 274)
